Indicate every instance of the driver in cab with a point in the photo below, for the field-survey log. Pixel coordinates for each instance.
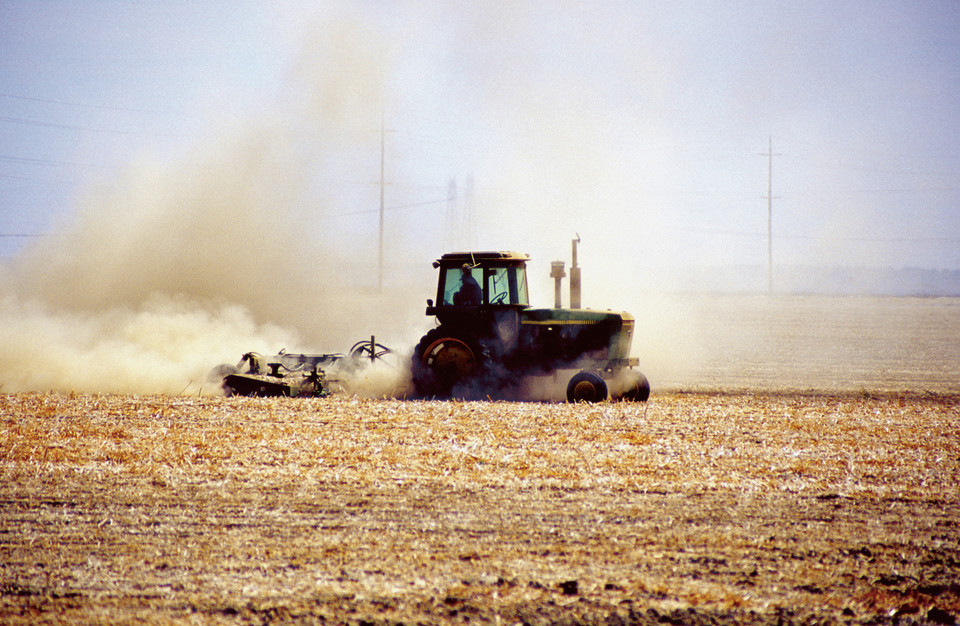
(469, 293)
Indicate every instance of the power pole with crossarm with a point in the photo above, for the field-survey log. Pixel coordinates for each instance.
(769, 154)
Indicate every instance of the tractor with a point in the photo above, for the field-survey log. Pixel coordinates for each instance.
(488, 337)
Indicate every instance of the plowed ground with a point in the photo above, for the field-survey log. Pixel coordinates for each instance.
(694, 508)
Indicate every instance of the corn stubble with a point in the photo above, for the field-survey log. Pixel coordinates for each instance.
(695, 508)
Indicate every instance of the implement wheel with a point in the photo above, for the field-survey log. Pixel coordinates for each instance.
(368, 351)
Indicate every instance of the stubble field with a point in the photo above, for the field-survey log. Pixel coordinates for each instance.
(761, 506)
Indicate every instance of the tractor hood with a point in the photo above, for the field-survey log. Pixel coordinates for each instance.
(610, 331)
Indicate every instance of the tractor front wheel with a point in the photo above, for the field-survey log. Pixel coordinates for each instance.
(634, 387)
(586, 387)
(442, 360)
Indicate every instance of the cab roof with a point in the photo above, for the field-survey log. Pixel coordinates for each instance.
(477, 258)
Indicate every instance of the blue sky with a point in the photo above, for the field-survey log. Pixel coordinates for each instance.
(639, 126)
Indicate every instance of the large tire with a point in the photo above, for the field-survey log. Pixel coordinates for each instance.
(586, 387)
(635, 387)
(444, 359)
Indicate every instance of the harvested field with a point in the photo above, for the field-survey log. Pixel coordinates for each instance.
(694, 508)
(800, 343)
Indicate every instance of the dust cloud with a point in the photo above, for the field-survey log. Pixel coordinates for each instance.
(174, 267)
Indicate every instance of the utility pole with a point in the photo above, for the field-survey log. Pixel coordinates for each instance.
(452, 222)
(383, 142)
(769, 154)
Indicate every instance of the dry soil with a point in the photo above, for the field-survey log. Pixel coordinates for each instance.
(745, 508)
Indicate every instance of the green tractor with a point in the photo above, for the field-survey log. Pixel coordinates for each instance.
(488, 336)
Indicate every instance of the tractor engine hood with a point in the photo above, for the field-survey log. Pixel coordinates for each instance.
(610, 332)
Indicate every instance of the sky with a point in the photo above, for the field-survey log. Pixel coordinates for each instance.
(635, 124)
(183, 157)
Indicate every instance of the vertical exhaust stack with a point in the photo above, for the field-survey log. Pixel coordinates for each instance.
(557, 274)
(575, 278)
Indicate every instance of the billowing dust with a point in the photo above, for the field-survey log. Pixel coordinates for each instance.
(173, 268)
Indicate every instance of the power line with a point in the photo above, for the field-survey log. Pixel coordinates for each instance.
(32, 161)
(90, 106)
(879, 239)
(389, 208)
(738, 233)
(114, 131)
(44, 181)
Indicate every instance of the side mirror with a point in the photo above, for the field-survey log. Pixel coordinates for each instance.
(429, 301)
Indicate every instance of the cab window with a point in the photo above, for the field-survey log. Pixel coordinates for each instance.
(507, 285)
(519, 277)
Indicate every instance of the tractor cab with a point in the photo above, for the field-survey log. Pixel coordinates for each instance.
(479, 284)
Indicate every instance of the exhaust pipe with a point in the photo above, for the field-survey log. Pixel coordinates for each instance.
(557, 274)
(575, 278)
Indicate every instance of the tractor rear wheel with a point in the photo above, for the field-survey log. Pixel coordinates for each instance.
(586, 387)
(444, 359)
